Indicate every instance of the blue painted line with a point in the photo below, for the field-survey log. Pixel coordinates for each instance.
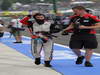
(63, 59)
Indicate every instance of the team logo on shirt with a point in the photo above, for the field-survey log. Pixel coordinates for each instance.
(85, 20)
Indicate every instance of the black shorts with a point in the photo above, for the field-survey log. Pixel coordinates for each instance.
(83, 41)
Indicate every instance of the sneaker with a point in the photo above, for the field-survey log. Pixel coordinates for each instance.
(80, 60)
(47, 64)
(37, 61)
(88, 64)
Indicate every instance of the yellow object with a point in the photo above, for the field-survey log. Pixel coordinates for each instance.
(7, 13)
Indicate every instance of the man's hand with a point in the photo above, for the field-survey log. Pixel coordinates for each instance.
(64, 32)
(44, 40)
(34, 36)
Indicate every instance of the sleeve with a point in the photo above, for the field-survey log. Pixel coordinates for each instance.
(95, 19)
(25, 20)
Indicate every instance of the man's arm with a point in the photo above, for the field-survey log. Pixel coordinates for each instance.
(97, 25)
(69, 27)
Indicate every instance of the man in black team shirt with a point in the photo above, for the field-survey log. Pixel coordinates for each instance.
(83, 25)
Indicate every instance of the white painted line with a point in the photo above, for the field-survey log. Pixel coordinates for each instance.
(98, 54)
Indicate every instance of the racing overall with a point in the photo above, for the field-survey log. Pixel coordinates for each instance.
(43, 41)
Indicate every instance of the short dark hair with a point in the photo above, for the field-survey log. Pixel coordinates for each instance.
(79, 8)
(38, 14)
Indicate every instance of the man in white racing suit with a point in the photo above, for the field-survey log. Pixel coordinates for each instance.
(41, 38)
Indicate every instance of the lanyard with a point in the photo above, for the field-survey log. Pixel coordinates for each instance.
(17, 23)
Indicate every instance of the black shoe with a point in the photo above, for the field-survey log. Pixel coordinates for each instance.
(37, 61)
(18, 42)
(88, 64)
(80, 60)
(47, 64)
